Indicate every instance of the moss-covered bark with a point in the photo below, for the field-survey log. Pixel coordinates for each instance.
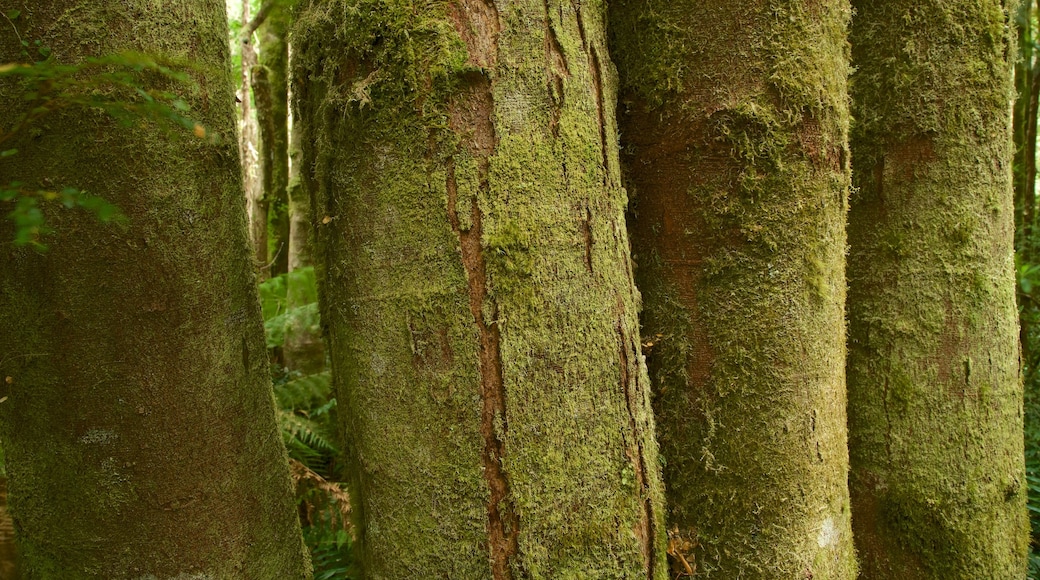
(734, 124)
(935, 403)
(1024, 123)
(137, 416)
(300, 214)
(271, 88)
(477, 290)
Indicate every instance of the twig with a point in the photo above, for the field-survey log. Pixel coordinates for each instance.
(276, 254)
(19, 36)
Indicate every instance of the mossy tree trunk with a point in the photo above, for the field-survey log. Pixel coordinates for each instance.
(476, 287)
(935, 403)
(270, 86)
(734, 125)
(137, 415)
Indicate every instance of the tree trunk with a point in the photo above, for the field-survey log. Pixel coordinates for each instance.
(734, 132)
(272, 112)
(935, 402)
(1023, 88)
(300, 214)
(137, 415)
(303, 350)
(476, 288)
(1029, 166)
(249, 147)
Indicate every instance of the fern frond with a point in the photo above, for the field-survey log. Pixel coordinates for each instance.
(305, 393)
(301, 434)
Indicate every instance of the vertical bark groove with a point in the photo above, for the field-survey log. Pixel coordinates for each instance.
(503, 523)
(470, 118)
(645, 530)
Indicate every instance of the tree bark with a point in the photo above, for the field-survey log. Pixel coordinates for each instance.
(300, 215)
(1029, 165)
(272, 112)
(476, 288)
(303, 350)
(935, 400)
(137, 416)
(734, 125)
(249, 148)
(9, 565)
(1023, 87)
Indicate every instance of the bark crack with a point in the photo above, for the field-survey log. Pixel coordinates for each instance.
(503, 522)
(558, 70)
(597, 83)
(470, 117)
(645, 529)
(586, 232)
(888, 419)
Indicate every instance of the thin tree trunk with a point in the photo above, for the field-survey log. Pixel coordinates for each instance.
(734, 132)
(476, 287)
(249, 148)
(1023, 86)
(935, 403)
(300, 215)
(1029, 164)
(272, 112)
(304, 350)
(137, 416)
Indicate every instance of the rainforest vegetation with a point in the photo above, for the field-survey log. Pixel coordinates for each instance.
(509, 289)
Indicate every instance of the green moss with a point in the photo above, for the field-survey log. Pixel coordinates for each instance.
(411, 122)
(509, 260)
(935, 399)
(735, 119)
(136, 351)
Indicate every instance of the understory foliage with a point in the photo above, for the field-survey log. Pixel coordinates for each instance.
(306, 411)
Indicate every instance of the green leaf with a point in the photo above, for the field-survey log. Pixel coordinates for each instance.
(14, 14)
(8, 153)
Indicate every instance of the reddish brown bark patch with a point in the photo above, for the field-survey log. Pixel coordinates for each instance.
(470, 117)
(906, 159)
(431, 349)
(503, 523)
(477, 23)
(671, 220)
